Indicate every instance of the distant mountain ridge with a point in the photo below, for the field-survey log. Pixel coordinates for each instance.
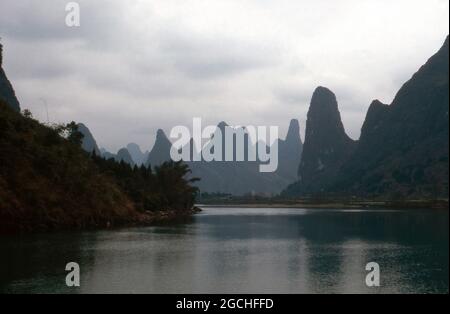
(137, 155)
(239, 177)
(89, 144)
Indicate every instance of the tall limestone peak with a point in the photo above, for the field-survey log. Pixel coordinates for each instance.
(324, 119)
(160, 152)
(293, 134)
(327, 146)
(376, 113)
(6, 90)
(290, 152)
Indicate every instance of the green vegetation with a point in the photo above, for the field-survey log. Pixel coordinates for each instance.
(48, 182)
(165, 188)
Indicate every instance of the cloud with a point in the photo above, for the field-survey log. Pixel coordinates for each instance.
(205, 57)
(134, 67)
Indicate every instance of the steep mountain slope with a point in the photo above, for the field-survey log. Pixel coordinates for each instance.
(403, 149)
(7, 93)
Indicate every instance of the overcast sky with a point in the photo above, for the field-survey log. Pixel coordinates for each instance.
(135, 66)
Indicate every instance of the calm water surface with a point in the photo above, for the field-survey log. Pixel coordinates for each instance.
(241, 250)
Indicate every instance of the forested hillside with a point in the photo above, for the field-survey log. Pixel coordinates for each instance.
(48, 182)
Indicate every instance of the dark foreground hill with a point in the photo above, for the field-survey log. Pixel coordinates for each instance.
(47, 182)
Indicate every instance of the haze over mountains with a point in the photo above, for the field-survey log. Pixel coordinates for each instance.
(237, 178)
(244, 177)
(139, 157)
(402, 151)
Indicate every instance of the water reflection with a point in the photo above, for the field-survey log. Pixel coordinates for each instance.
(242, 251)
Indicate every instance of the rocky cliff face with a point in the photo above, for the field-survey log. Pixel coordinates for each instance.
(403, 149)
(7, 93)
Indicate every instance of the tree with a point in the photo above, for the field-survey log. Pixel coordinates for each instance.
(27, 114)
(69, 132)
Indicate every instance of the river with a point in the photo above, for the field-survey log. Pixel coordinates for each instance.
(241, 250)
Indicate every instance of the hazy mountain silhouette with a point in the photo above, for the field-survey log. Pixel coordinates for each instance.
(136, 153)
(124, 155)
(290, 152)
(244, 177)
(7, 93)
(88, 142)
(238, 177)
(107, 155)
(160, 151)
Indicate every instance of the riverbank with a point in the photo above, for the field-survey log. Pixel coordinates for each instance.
(136, 220)
(169, 216)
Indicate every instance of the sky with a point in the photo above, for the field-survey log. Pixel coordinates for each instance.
(133, 67)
